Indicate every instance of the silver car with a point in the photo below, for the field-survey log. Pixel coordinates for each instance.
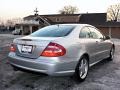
(63, 49)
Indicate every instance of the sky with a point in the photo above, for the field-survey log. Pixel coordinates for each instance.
(10, 9)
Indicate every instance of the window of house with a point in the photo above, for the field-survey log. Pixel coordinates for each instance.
(58, 19)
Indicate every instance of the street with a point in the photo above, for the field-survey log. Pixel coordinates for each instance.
(103, 76)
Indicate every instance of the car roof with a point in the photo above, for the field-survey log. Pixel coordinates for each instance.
(81, 25)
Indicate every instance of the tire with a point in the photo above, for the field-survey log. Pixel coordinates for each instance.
(14, 68)
(82, 68)
(111, 56)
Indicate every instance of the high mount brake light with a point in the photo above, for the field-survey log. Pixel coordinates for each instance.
(53, 50)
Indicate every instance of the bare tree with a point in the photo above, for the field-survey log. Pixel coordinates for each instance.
(113, 12)
(69, 10)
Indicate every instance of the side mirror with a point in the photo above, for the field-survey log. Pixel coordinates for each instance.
(107, 37)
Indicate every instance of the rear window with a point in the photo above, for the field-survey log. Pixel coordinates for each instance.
(54, 31)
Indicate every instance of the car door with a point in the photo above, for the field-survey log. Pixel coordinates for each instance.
(89, 43)
(101, 45)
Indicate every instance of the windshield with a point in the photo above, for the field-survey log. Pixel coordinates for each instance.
(54, 31)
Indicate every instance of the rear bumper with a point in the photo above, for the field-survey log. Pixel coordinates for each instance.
(43, 65)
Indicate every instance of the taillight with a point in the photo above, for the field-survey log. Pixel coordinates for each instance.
(53, 50)
(12, 48)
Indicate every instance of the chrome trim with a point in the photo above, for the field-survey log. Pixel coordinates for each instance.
(94, 63)
(70, 71)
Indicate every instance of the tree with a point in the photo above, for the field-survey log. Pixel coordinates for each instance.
(68, 10)
(113, 12)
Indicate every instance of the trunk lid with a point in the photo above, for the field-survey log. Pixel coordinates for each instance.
(32, 47)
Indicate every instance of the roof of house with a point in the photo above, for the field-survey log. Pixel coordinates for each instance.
(108, 24)
(50, 15)
(93, 18)
(96, 19)
(84, 17)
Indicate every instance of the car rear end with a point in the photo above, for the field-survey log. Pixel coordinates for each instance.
(43, 54)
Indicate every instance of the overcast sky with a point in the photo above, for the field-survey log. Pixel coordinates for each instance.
(20, 8)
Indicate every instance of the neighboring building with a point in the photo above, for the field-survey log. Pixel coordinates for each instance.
(96, 19)
(57, 18)
(3, 28)
(99, 20)
(110, 28)
(27, 27)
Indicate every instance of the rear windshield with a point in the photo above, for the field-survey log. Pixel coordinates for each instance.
(54, 31)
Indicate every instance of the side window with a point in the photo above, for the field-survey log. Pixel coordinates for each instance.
(95, 33)
(84, 33)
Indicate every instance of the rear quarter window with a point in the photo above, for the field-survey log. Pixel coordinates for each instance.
(54, 31)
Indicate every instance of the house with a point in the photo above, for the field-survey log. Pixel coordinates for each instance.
(97, 19)
(39, 21)
(100, 21)
(27, 27)
(110, 28)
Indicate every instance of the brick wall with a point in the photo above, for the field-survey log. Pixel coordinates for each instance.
(115, 31)
(104, 30)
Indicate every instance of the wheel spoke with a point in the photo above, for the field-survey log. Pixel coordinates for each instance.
(83, 68)
(112, 53)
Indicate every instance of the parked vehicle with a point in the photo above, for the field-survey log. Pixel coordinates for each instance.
(63, 49)
(17, 32)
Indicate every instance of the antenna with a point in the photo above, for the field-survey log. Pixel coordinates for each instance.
(36, 11)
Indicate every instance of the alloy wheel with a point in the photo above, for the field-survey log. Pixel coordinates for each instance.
(83, 68)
